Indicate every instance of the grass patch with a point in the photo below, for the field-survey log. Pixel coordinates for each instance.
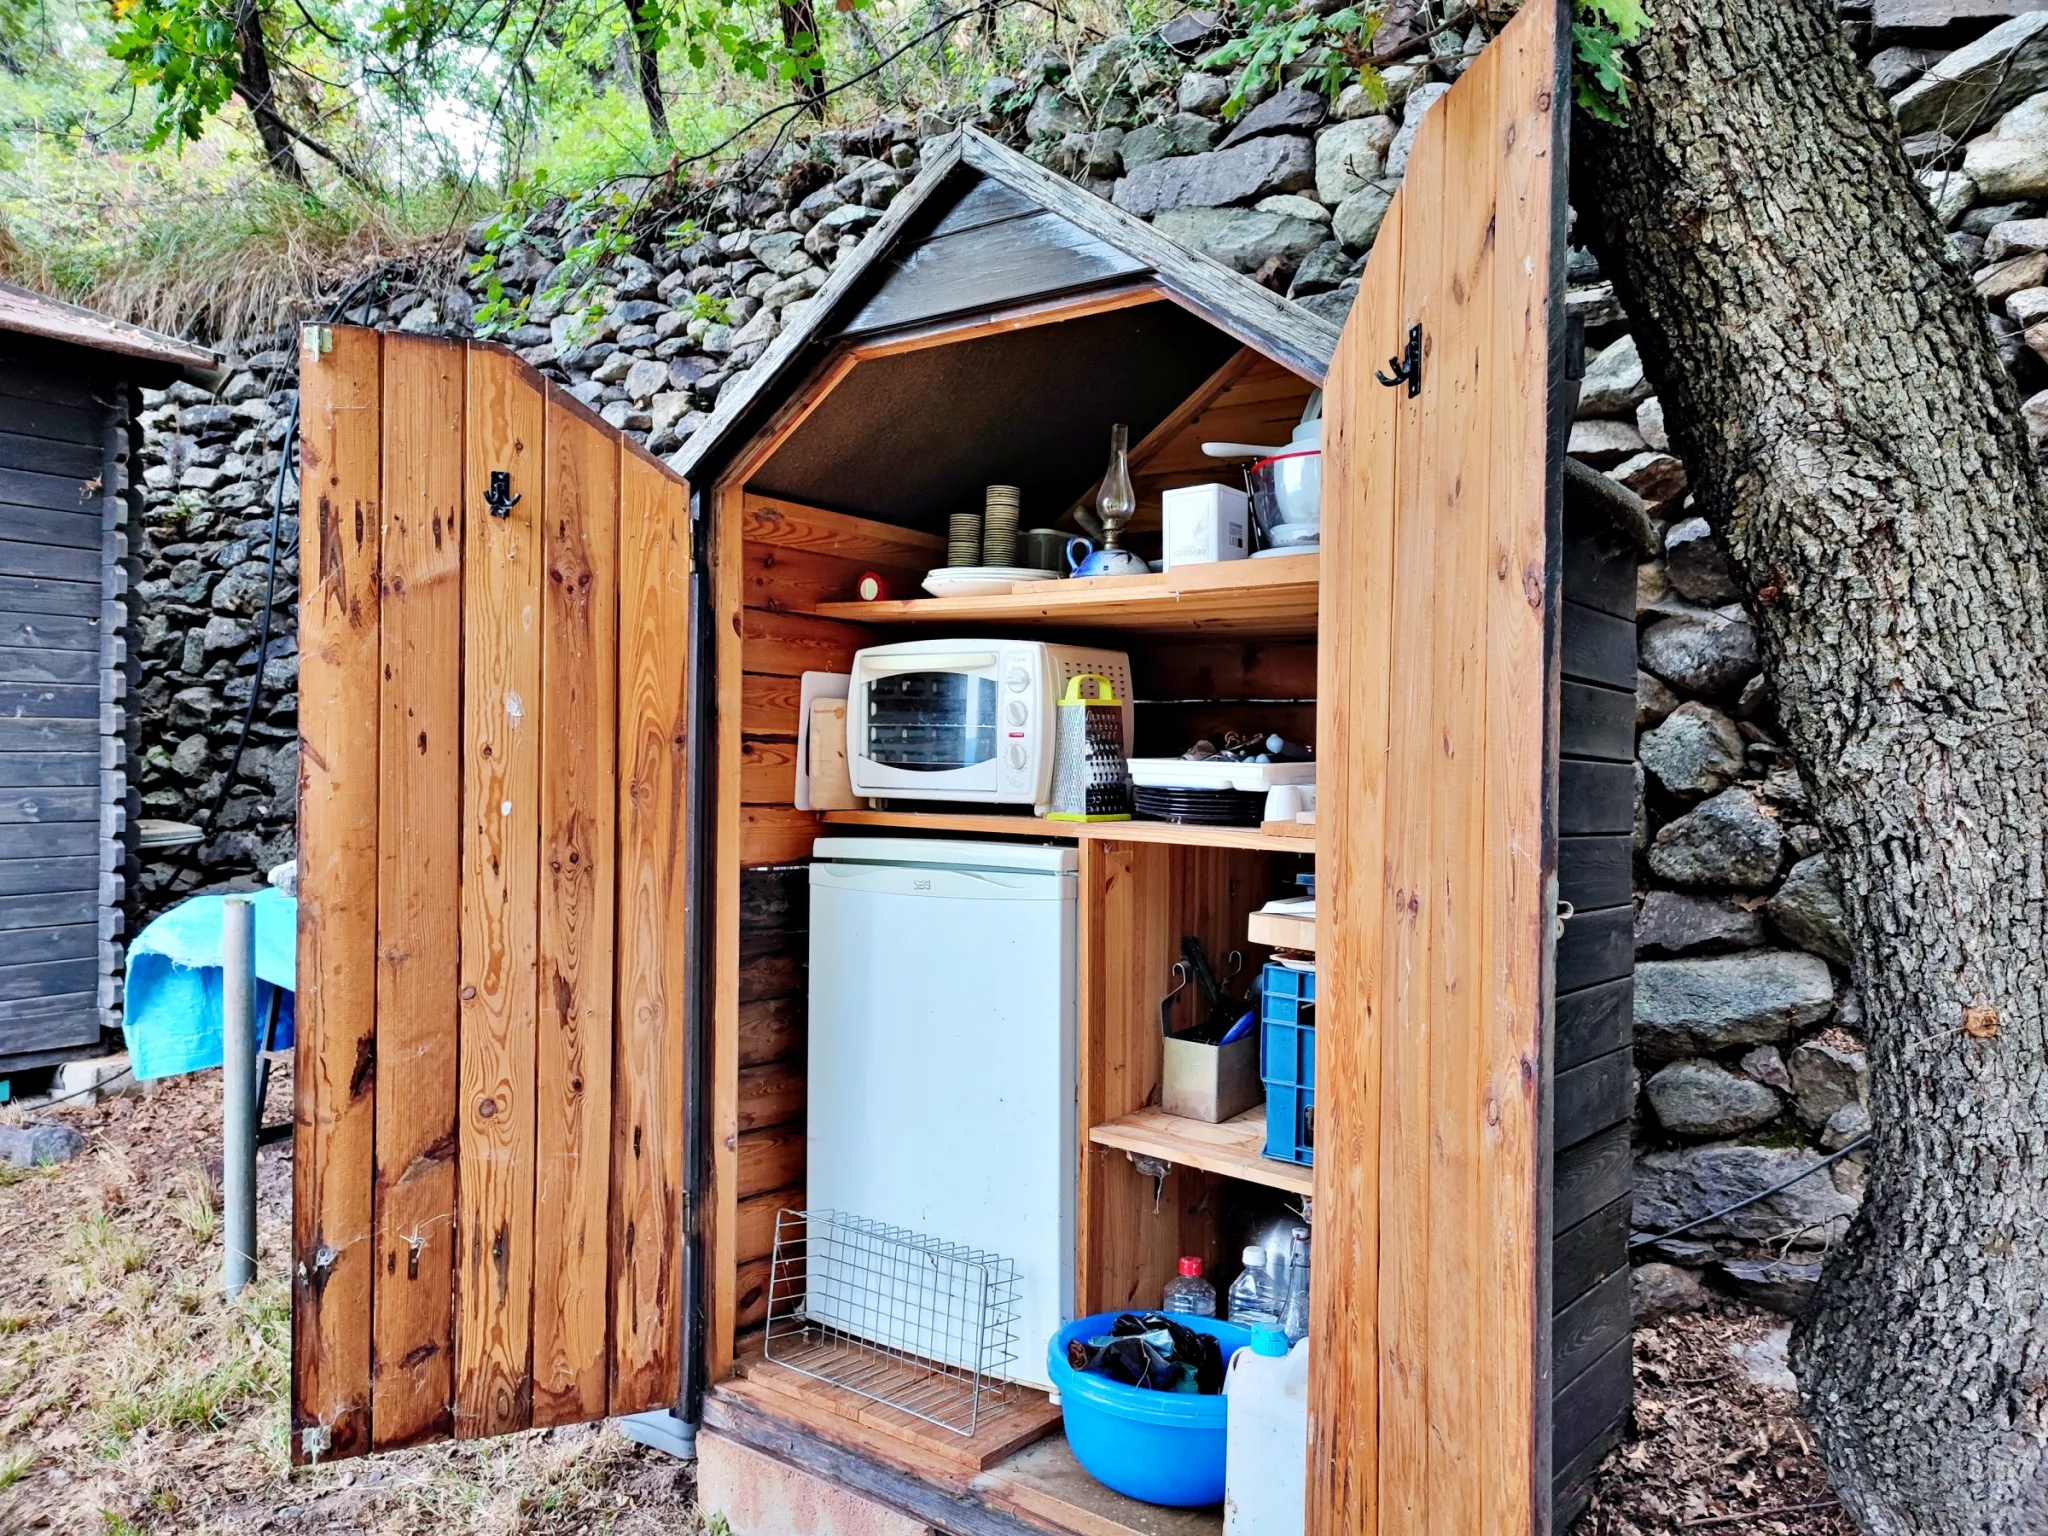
(214, 251)
(96, 1253)
(194, 1209)
(14, 1467)
(12, 1174)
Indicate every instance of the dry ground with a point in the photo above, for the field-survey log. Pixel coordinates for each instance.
(1712, 1451)
(133, 1398)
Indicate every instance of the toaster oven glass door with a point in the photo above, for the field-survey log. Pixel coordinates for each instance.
(931, 722)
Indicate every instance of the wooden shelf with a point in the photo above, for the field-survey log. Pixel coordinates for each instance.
(1272, 597)
(1101, 831)
(1231, 1149)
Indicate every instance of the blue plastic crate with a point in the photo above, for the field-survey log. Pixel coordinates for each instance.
(1287, 1063)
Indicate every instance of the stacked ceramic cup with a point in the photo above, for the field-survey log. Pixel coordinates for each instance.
(963, 539)
(999, 525)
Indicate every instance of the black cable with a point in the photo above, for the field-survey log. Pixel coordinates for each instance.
(1646, 1239)
(80, 1093)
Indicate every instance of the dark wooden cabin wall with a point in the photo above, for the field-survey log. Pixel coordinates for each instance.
(774, 949)
(66, 834)
(1591, 1091)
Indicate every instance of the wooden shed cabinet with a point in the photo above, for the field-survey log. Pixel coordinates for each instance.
(552, 1084)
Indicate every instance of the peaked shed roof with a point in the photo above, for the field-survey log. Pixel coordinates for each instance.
(28, 313)
(918, 266)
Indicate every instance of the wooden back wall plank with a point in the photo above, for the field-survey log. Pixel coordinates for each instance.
(419, 853)
(336, 1054)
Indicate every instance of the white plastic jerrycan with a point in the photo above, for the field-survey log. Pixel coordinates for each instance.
(1265, 1469)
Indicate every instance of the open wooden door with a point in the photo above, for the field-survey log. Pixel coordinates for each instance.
(494, 619)
(1429, 1395)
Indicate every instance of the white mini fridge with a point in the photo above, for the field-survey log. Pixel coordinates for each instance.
(942, 1047)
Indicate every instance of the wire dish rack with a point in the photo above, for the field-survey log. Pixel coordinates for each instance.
(924, 1326)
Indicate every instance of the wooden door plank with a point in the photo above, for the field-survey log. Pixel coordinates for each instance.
(419, 853)
(1460, 411)
(500, 895)
(647, 1114)
(1363, 422)
(578, 806)
(1405, 1164)
(1509, 1422)
(335, 1076)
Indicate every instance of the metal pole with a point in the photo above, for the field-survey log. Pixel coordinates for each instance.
(238, 1092)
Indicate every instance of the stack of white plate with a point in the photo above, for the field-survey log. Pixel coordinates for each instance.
(981, 580)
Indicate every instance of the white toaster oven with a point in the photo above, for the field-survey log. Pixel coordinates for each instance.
(967, 720)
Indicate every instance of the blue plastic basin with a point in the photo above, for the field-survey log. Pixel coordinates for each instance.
(1161, 1447)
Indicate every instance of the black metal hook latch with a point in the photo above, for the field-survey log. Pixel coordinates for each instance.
(499, 497)
(1408, 366)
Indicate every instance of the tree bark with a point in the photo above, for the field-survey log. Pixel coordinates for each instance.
(253, 84)
(1829, 381)
(646, 31)
(800, 19)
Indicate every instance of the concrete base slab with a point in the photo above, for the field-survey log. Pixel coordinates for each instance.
(661, 1431)
(96, 1077)
(760, 1496)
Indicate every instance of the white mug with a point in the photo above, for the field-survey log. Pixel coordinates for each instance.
(1283, 803)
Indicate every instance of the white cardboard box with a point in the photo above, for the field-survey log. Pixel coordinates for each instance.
(1204, 524)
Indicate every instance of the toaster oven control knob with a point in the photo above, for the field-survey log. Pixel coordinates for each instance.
(1016, 755)
(1017, 712)
(1019, 679)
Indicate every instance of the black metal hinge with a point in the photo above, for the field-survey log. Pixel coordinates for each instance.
(1407, 367)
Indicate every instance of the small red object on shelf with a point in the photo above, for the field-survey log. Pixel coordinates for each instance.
(872, 588)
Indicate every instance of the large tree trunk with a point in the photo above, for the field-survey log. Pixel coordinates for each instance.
(253, 84)
(1829, 381)
(800, 20)
(647, 30)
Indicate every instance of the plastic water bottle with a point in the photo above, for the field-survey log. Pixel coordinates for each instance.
(1294, 1311)
(1254, 1300)
(1265, 1456)
(1188, 1292)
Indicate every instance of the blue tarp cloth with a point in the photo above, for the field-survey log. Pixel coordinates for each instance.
(172, 1017)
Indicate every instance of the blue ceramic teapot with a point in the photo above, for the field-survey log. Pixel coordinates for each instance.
(1091, 561)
